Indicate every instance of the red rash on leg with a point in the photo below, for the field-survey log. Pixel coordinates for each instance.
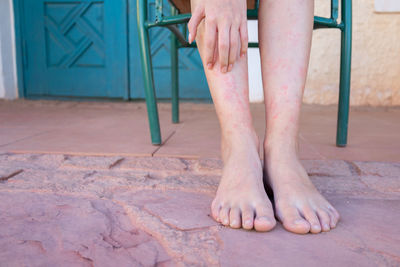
(241, 191)
(280, 65)
(285, 35)
(284, 89)
(302, 71)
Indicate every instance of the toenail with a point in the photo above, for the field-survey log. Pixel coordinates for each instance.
(226, 221)
(316, 227)
(248, 222)
(298, 221)
(234, 222)
(326, 226)
(266, 219)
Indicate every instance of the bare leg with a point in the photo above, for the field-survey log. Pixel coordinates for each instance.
(285, 30)
(241, 200)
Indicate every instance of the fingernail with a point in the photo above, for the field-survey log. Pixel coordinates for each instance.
(223, 69)
(209, 66)
(190, 38)
(230, 67)
(242, 55)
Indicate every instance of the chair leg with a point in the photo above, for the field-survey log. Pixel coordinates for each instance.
(174, 79)
(174, 74)
(150, 94)
(345, 75)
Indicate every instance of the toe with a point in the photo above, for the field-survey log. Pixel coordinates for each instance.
(332, 220)
(324, 219)
(292, 221)
(224, 215)
(215, 210)
(264, 220)
(310, 215)
(334, 215)
(234, 218)
(247, 218)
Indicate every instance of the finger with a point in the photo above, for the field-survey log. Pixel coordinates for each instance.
(244, 39)
(215, 57)
(194, 22)
(223, 46)
(233, 47)
(209, 41)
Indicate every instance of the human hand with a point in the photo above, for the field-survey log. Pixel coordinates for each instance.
(226, 24)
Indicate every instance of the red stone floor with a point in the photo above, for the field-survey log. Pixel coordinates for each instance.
(81, 185)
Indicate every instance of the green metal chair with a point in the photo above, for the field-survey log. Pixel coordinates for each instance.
(177, 24)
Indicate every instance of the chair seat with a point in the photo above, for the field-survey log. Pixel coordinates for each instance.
(183, 6)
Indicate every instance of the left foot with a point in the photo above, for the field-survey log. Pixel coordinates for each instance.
(298, 204)
(241, 201)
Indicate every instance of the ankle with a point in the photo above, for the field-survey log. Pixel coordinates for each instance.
(281, 146)
(239, 141)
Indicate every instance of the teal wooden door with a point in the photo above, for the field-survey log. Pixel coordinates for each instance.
(192, 80)
(75, 48)
(89, 48)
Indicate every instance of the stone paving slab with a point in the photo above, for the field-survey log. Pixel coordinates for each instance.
(66, 210)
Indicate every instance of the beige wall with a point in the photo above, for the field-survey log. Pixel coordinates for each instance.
(376, 58)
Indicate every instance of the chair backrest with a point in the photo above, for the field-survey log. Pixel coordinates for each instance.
(183, 6)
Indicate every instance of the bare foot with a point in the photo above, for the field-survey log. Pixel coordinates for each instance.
(241, 200)
(298, 204)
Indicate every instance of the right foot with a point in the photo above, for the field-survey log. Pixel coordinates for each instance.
(298, 204)
(241, 200)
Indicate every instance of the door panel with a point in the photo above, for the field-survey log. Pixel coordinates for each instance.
(75, 48)
(79, 48)
(192, 81)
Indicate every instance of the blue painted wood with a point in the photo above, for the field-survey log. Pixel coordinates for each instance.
(75, 48)
(192, 80)
(89, 48)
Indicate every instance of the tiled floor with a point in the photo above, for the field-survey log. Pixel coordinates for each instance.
(97, 128)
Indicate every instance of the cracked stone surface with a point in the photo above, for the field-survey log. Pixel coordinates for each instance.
(64, 210)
